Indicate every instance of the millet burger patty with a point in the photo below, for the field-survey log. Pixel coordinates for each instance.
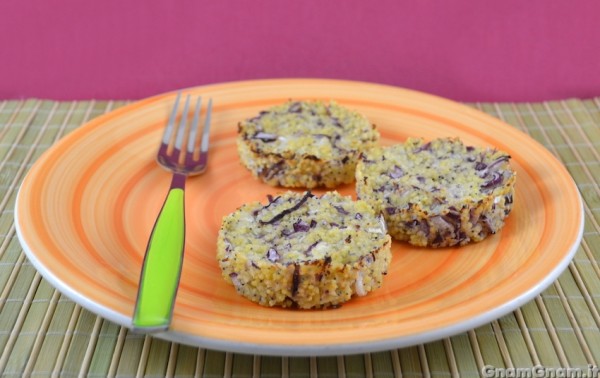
(438, 193)
(304, 251)
(304, 144)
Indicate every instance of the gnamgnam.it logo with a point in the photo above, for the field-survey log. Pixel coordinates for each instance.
(490, 371)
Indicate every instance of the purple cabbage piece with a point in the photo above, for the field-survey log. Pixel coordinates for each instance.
(295, 107)
(341, 210)
(285, 212)
(273, 255)
(336, 122)
(396, 172)
(494, 182)
(425, 147)
(295, 280)
(480, 166)
(301, 226)
(310, 247)
(265, 137)
(500, 160)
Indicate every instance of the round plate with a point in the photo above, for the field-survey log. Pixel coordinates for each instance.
(86, 208)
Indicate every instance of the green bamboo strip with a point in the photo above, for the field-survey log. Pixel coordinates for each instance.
(508, 113)
(410, 362)
(299, 367)
(256, 361)
(579, 316)
(516, 347)
(564, 329)
(285, 367)
(18, 362)
(355, 365)
(571, 153)
(50, 349)
(24, 276)
(588, 270)
(64, 348)
(43, 329)
(462, 353)
(381, 364)
(104, 349)
(16, 130)
(186, 362)
(91, 345)
(143, 359)
(341, 365)
(228, 365)
(14, 259)
(7, 131)
(327, 366)
(75, 349)
(26, 329)
(17, 176)
(552, 332)
(368, 365)
(527, 337)
(435, 359)
(271, 366)
(242, 365)
(396, 363)
(23, 128)
(5, 111)
(593, 111)
(157, 359)
(505, 354)
(487, 344)
(423, 360)
(477, 354)
(214, 364)
(200, 359)
(171, 363)
(584, 122)
(451, 358)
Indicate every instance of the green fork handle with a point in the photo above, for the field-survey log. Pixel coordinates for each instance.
(161, 269)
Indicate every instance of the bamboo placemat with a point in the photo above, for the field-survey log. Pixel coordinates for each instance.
(42, 333)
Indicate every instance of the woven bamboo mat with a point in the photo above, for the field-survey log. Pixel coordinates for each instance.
(42, 333)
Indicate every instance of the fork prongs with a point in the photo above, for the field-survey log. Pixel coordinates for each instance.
(202, 155)
(168, 133)
(189, 135)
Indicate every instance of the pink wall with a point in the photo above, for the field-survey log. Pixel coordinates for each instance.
(465, 50)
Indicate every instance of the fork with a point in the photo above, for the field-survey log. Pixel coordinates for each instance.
(163, 259)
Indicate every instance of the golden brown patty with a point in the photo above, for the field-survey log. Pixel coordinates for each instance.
(304, 144)
(438, 193)
(304, 251)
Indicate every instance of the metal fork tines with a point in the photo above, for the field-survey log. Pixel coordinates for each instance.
(163, 260)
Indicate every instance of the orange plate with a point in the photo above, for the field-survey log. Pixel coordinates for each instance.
(85, 210)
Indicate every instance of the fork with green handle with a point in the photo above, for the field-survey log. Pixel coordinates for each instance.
(163, 259)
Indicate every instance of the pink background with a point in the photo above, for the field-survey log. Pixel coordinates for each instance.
(464, 50)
